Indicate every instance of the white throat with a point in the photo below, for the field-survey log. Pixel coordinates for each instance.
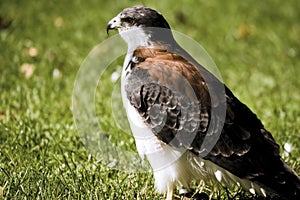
(135, 37)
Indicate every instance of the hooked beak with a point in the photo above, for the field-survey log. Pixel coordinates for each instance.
(108, 28)
(113, 24)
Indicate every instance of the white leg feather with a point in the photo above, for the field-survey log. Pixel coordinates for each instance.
(170, 192)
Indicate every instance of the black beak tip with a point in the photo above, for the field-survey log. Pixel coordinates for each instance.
(108, 27)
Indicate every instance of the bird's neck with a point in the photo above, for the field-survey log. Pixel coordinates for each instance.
(147, 37)
(135, 38)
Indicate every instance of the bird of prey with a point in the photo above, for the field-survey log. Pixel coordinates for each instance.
(174, 107)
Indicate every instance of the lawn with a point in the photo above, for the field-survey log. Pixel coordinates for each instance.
(255, 44)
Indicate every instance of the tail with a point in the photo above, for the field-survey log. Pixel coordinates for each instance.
(284, 184)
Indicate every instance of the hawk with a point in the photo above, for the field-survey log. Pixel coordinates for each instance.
(174, 107)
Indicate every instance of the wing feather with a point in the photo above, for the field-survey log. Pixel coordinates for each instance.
(171, 95)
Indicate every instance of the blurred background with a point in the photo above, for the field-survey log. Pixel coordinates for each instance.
(255, 44)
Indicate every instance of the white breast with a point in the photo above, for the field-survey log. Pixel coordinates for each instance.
(162, 158)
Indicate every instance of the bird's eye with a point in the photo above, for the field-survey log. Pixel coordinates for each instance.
(129, 20)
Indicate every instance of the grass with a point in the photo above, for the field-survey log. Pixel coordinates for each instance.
(256, 45)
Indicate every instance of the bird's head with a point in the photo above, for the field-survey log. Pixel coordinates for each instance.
(137, 17)
(140, 25)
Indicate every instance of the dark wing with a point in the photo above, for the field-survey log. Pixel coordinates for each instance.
(261, 162)
(173, 98)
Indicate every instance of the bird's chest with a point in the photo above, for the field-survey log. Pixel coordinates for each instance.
(142, 133)
(146, 142)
